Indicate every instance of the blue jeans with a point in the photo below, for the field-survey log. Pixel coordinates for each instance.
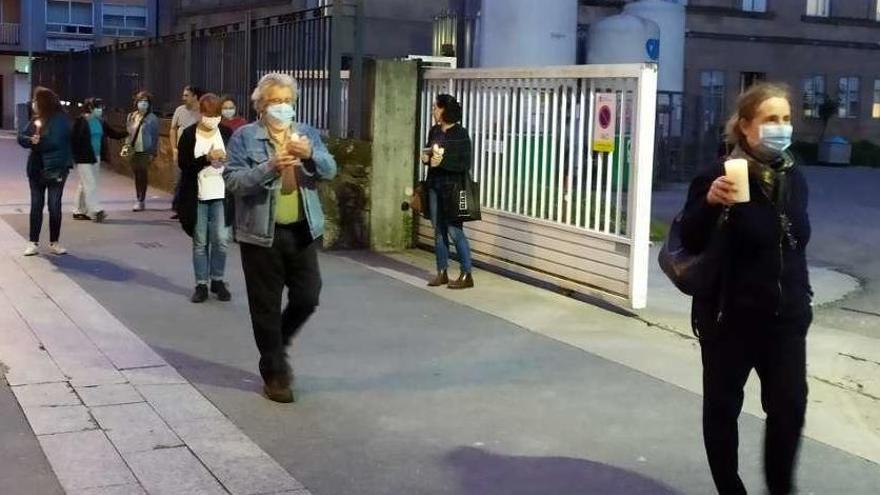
(210, 240)
(442, 231)
(39, 189)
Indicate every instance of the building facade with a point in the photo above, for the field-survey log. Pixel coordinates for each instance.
(823, 49)
(32, 27)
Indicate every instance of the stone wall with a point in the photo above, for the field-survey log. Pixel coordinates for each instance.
(346, 199)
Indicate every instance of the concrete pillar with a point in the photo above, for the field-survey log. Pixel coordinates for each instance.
(394, 118)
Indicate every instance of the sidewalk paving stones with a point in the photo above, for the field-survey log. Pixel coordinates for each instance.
(49, 420)
(102, 403)
(107, 395)
(46, 394)
(178, 403)
(110, 490)
(173, 472)
(85, 459)
(135, 428)
(153, 375)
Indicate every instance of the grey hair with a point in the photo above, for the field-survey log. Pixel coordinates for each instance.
(270, 80)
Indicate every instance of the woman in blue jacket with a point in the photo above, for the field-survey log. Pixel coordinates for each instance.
(49, 162)
(143, 143)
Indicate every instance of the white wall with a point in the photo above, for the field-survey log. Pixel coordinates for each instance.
(519, 33)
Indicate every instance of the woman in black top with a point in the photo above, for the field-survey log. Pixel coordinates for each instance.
(89, 140)
(760, 315)
(202, 207)
(448, 156)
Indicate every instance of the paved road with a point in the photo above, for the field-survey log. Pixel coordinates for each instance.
(23, 466)
(403, 392)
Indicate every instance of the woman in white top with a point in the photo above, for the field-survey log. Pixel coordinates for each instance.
(202, 206)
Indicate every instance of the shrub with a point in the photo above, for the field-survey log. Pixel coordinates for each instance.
(865, 153)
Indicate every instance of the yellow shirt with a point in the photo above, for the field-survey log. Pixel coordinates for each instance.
(288, 207)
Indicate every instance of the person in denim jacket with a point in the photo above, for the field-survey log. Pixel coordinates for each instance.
(273, 167)
(143, 144)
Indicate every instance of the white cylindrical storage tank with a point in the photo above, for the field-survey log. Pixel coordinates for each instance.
(525, 33)
(669, 15)
(623, 39)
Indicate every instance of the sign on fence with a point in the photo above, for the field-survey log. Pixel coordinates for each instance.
(604, 122)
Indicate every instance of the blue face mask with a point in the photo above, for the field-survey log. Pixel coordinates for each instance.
(281, 113)
(775, 138)
(98, 112)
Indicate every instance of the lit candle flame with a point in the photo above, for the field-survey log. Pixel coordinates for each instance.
(38, 123)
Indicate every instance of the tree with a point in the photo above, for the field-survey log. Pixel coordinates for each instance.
(828, 107)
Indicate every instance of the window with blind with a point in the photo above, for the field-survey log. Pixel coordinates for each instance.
(819, 8)
(814, 95)
(754, 5)
(124, 20)
(848, 98)
(875, 110)
(70, 16)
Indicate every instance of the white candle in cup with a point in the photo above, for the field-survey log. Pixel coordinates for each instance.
(737, 170)
(38, 123)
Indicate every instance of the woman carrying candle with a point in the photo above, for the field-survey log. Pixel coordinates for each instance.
(448, 158)
(49, 163)
(762, 310)
(202, 206)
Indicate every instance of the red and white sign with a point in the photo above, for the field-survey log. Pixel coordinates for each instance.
(604, 122)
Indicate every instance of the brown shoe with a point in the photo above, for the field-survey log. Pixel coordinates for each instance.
(465, 281)
(441, 279)
(278, 390)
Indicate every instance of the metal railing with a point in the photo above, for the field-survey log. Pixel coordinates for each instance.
(10, 33)
(226, 59)
(533, 154)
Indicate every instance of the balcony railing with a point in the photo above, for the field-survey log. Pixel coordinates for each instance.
(10, 33)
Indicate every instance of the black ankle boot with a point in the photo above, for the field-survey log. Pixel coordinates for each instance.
(201, 294)
(219, 287)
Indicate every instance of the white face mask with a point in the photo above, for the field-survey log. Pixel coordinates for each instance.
(211, 122)
(228, 113)
(34, 107)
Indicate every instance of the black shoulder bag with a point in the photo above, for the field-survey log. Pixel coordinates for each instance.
(695, 274)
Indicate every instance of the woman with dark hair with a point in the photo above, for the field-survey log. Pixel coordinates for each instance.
(229, 111)
(49, 163)
(202, 206)
(89, 145)
(760, 313)
(142, 144)
(448, 156)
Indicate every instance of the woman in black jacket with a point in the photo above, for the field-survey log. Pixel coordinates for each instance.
(202, 207)
(49, 162)
(762, 310)
(89, 140)
(448, 156)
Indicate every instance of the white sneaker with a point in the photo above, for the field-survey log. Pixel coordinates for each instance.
(32, 249)
(57, 248)
(138, 206)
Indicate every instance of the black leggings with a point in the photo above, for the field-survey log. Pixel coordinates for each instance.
(39, 187)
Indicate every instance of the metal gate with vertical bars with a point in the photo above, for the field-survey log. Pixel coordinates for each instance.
(555, 209)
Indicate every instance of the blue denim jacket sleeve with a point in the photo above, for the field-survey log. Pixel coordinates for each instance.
(322, 162)
(243, 177)
(153, 129)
